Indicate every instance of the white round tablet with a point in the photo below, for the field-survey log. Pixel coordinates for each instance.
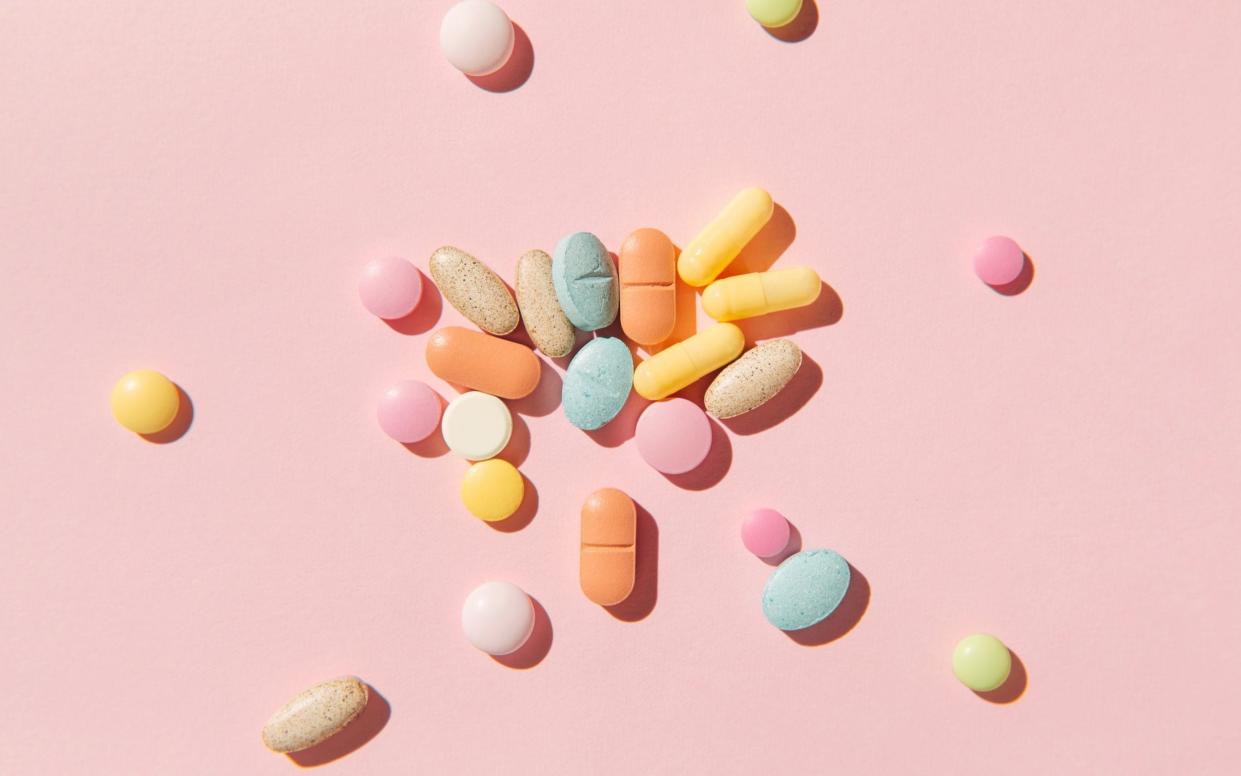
(476, 426)
(497, 617)
(476, 36)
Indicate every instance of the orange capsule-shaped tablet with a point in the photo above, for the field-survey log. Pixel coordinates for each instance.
(609, 546)
(648, 294)
(483, 362)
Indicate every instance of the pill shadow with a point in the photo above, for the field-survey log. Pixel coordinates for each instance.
(766, 247)
(355, 735)
(425, 315)
(641, 601)
(1022, 281)
(847, 615)
(1014, 686)
(525, 512)
(622, 427)
(792, 548)
(713, 468)
(518, 447)
(180, 424)
(826, 310)
(580, 338)
(784, 405)
(515, 72)
(545, 397)
(536, 647)
(802, 26)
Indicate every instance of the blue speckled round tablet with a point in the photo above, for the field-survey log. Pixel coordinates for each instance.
(597, 383)
(805, 589)
(585, 281)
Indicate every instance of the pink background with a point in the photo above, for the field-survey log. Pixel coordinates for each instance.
(194, 187)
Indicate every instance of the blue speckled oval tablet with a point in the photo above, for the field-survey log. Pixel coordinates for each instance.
(585, 281)
(597, 383)
(805, 589)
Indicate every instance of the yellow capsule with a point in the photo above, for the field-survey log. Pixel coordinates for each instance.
(492, 490)
(720, 242)
(670, 370)
(145, 402)
(759, 293)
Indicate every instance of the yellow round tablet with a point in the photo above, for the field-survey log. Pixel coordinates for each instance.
(144, 401)
(773, 13)
(492, 490)
(981, 662)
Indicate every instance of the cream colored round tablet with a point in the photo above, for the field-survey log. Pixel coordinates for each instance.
(476, 426)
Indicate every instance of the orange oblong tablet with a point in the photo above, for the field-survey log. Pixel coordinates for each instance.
(483, 362)
(648, 294)
(609, 546)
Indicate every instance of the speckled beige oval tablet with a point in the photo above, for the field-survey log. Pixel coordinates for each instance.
(546, 323)
(752, 380)
(315, 715)
(476, 291)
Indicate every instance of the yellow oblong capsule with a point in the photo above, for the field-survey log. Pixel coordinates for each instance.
(670, 370)
(722, 239)
(759, 293)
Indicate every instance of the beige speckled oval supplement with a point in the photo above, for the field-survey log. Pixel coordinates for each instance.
(476, 291)
(315, 715)
(752, 380)
(549, 328)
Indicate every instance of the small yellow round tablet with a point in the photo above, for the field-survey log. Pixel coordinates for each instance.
(981, 662)
(144, 401)
(492, 490)
(773, 13)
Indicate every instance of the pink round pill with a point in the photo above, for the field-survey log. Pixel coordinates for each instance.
(390, 288)
(999, 261)
(409, 411)
(674, 436)
(765, 532)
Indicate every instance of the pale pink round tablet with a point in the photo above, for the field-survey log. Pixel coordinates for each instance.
(390, 288)
(674, 436)
(999, 261)
(765, 532)
(476, 37)
(409, 411)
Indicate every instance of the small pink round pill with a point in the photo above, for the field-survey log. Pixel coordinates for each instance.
(674, 436)
(409, 411)
(999, 261)
(390, 288)
(765, 532)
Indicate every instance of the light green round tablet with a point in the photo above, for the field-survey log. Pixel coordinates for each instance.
(773, 13)
(981, 662)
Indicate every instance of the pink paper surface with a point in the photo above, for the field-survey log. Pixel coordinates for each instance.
(194, 187)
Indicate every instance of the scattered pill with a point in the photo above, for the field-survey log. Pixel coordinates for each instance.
(805, 589)
(484, 363)
(759, 293)
(315, 715)
(585, 280)
(765, 532)
(492, 490)
(498, 618)
(609, 546)
(773, 13)
(981, 662)
(719, 243)
(754, 379)
(145, 402)
(648, 295)
(409, 411)
(999, 261)
(474, 290)
(674, 436)
(549, 328)
(477, 426)
(673, 368)
(476, 37)
(390, 288)
(597, 383)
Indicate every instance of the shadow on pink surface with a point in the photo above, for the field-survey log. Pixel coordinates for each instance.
(802, 27)
(524, 514)
(1014, 686)
(536, 647)
(518, 447)
(355, 735)
(622, 427)
(762, 251)
(800, 390)
(826, 310)
(423, 317)
(516, 70)
(713, 468)
(641, 602)
(545, 397)
(180, 424)
(1022, 282)
(844, 619)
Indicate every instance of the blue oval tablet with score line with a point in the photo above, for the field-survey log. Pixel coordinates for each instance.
(597, 383)
(585, 280)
